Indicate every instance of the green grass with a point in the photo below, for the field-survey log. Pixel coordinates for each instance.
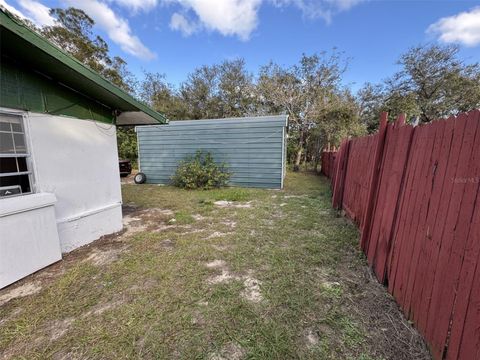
(155, 301)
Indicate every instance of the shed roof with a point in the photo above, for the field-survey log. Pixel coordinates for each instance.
(20, 42)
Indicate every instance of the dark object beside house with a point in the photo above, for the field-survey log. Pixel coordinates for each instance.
(125, 167)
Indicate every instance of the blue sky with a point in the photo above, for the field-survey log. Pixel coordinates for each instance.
(175, 36)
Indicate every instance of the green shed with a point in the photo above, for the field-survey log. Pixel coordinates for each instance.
(253, 147)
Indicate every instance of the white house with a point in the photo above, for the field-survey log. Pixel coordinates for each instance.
(59, 176)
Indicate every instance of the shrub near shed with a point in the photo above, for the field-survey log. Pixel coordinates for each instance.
(201, 172)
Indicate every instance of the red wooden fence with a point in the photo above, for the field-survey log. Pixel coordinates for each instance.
(414, 192)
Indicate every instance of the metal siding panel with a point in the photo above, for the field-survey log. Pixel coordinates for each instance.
(253, 148)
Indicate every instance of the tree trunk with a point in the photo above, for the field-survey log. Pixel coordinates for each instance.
(298, 157)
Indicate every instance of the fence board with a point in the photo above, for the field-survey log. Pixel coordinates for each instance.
(396, 154)
(423, 237)
(465, 294)
(445, 244)
(421, 222)
(440, 196)
(357, 182)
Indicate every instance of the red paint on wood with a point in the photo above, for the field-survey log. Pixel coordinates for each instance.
(418, 206)
(372, 188)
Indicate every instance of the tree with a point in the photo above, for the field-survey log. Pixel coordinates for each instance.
(200, 93)
(236, 89)
(432, 83)
(440, 82)
(216, 91)
(73, 32)
(162, 96)
(127, 143)
(305, 91)
(374, 99)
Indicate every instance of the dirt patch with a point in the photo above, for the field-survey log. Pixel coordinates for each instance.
(294, 196)
(230, 223)
(132, 225)
(222, 247)
(56, 329)
(198, 319)
(20, 291)
(252, 290)
(198, 217)
(137, 220)
(216, 264)
(232, 204)
(391, 336)
(225, 276)
(231, 351)
(167, 244)
(100, 257)
(103, 307)
(217, 234)
(311, 338)
(162, 227)
(129, 208)
(13, 314)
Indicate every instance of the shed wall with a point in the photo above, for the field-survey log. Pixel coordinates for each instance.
(252, 147)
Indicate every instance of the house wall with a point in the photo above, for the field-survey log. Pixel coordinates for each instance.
(76, 195)
(252, 147)
(77, 161)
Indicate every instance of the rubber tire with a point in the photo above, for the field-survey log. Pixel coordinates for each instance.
(140, 178)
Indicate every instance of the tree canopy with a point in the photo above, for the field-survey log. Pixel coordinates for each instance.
(432, 82)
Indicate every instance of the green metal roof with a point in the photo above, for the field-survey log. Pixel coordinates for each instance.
(22, 43)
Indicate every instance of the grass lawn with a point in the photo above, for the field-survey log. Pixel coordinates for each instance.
(222, 274)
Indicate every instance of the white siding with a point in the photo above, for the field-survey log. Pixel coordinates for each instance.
(77, 161)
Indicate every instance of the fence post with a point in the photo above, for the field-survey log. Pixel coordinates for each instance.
(373, 185)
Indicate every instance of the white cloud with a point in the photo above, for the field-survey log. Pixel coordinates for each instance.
(344, 5)
(37, 11)
(116, 27)
(14, 11)
(240, 17)
(136, 5)
(181, 23)
(315, 9)
(228, 17)
(461, 28)
(34, 12)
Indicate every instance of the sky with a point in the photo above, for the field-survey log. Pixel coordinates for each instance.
(174, 37)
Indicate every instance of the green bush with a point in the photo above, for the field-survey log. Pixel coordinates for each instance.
(201, 172)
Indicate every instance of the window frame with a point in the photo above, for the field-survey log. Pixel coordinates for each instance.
(26, 155)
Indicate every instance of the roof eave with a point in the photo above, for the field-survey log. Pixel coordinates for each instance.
(11, 24)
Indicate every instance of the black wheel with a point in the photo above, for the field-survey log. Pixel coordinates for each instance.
(140, 178)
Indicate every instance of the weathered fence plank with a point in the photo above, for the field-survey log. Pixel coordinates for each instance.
(420, 222)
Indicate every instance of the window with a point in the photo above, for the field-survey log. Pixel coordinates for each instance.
(14, 166)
